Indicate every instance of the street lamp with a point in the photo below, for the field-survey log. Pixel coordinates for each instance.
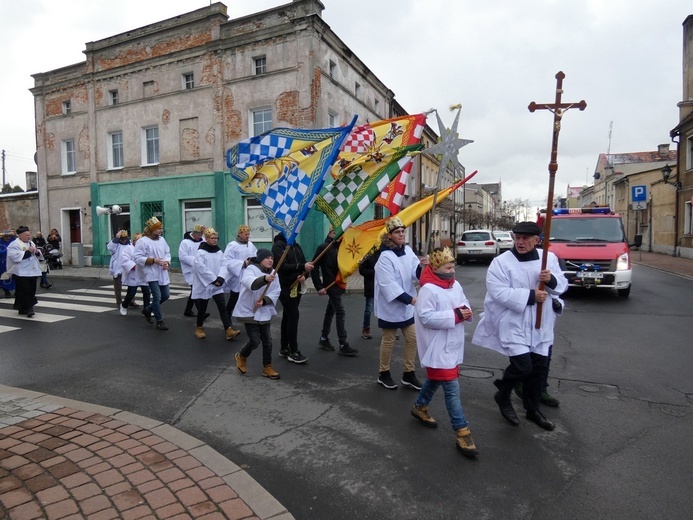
(666, 173)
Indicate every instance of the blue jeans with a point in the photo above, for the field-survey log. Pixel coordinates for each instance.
(160, 294)
(130, 295)
(367, 312)
(452, 400)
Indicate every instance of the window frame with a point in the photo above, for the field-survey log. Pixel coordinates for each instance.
(332, 68)
(113, 97)
(260, 229)
(203, 207)
(188, 80)
(68, 154)
(260, 65)
(146, 140)
(357, 90)
(331, 119)
(688, 218)
(67, 107)
(689, 153)
(265, 125)
(112, 151)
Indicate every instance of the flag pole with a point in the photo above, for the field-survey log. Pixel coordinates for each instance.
(276, 270)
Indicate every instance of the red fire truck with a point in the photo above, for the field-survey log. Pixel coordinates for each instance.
(592, 248)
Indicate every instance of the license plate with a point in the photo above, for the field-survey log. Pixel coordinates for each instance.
(590, 274)
(475, 251)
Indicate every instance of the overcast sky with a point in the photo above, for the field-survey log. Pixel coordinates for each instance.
(623, 58)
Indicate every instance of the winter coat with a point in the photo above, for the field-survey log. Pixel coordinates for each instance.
(293, 265)
(328, 266)
(367, 270)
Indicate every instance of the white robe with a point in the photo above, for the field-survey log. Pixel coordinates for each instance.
(148, 248)
(507, 324)
(440, 341)
(235, 256)
(186, 256)
(115, 267)
(131, 277)
(395, 275)
(206, 269)
(248, 297)
(17, 264)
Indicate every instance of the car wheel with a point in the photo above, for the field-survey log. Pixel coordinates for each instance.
(624, 293)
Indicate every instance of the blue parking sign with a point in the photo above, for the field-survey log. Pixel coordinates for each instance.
(639, 193)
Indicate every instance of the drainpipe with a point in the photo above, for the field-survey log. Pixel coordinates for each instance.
(676, 198)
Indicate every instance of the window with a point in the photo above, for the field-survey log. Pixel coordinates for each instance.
(262, 120)
(69, 156)
(260, 65)
(188, 81)
(148, 88)
(115, 150)
(150, 146)
(260, 230)
(331, 119)
(357, 90)
(376, 106)
(689, 154)
(333, 69)
(197, 212)
(152, 209)
(67, 107)
(113, 96)
(688, 218)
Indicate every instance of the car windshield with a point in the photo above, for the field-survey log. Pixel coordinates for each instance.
(502, 235)
(587, 230)
(476, 236)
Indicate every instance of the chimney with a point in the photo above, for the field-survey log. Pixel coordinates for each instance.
(663, 150)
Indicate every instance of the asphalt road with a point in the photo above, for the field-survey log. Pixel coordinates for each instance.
(330, 443)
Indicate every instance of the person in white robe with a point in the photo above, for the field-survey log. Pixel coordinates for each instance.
(115, 268)
(132, 277)
(255, 309)
(208, 284)
(153, 257)
(23, 265)
(186, 256)
(236, 259)
(441, 311)
(508, 322)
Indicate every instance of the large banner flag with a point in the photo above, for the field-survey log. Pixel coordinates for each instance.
(285, 169)
(370, 158)
(359, 241)
(393, 195)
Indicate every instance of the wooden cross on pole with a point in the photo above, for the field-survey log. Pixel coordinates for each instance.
(558, 108)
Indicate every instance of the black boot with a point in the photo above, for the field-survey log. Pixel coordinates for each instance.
(189, 309)
(502, 398)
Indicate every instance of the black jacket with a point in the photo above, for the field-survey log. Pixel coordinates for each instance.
(328, 266)
(367, 270)
(293, 265)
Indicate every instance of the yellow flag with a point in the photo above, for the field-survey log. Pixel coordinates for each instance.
(358, 241)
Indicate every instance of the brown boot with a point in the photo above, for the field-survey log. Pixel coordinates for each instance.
(465, 443)
(268, 371)
(421, 413)
(231, 333)
(200, 333)
(366, 333)
(240, 363)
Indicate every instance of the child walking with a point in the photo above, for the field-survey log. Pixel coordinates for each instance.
(256, 311)
(440, 312)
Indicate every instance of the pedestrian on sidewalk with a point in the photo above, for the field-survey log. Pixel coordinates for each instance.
(132, 277)
(509, 320)
(23, 263)
(367, 270)
(209, 284)
(325, 264)
(395, 296)
(153, 256)
(256, 310)
(236, 257)
(440, 313)
(291, 275)
(186, 255)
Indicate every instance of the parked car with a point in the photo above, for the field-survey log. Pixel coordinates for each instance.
(477, 244)
(504, 239)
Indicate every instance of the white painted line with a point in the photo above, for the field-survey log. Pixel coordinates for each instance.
(53, 305)
(4, 328)
(39, 316)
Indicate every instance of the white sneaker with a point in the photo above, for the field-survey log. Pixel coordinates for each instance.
(123, 311)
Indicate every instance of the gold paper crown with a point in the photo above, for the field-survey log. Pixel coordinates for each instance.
(393, 223)
(136, 237)
(198, 228)
(440, 257)
(243, 229)
(154, 223)
(210, 231)
(122, 233)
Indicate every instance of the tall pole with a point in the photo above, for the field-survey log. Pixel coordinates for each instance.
(3, 169)
(558, 110)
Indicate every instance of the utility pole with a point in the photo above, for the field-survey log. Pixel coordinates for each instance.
(3, 170)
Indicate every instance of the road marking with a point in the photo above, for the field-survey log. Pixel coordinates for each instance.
(4, 328)
(71, 306)
(39, 316)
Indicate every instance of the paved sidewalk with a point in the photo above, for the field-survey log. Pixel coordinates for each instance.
(64, 459)
(671, 264)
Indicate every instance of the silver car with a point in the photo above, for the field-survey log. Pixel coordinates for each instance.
(504, 239)
(477, 244)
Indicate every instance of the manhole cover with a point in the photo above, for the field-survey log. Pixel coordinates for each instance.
(475, 373)
(589, 388)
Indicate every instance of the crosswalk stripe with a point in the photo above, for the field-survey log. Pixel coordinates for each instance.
(4, 328)
(71, 306)
(39, 316)
(77, 297)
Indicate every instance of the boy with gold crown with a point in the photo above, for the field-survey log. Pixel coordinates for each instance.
(153, 257)
(440, 313)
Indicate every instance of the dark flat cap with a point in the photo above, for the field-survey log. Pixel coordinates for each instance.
(527, 228)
